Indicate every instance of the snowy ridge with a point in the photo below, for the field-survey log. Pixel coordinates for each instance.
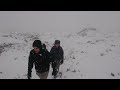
(88, 54)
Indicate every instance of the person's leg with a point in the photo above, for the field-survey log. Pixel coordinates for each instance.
(53, 71)
(57, 66)
(53, 67)
(44, 75)
(39, 74)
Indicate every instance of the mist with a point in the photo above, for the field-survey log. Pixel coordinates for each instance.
(58, 21)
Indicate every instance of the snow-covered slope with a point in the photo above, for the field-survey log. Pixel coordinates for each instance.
(88, 54)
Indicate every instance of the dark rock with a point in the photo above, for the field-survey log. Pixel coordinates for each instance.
(112, 74)
(73, 57)
(113, 45)
(82, 51)
(89, 41)
(102, 54)
(67, 70)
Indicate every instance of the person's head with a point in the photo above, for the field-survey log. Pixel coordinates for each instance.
(57, 43)
(44, 46)
(37, 46)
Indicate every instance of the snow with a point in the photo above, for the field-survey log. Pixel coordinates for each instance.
(89, 54)
(90, 39)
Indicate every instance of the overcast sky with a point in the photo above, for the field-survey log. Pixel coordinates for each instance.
(37, 21)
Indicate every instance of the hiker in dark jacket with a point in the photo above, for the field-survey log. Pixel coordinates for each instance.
(41, 59)
(57, 56)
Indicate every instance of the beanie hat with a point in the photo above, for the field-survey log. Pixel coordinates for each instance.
(57, 41)
(37, 43)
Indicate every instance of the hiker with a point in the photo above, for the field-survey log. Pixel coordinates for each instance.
(41, 59)
(57, 56)
(44, 47)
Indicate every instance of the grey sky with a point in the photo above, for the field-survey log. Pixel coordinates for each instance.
(38, 21)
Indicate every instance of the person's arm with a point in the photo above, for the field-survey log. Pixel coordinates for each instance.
(51, 51)
(62, 55)
(47, 56)
(51, 54)
(30, 65)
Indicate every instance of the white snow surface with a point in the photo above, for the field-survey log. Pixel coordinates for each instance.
(89, 54)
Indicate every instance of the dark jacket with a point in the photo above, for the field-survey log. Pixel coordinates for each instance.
(41, 61)
(57, 53)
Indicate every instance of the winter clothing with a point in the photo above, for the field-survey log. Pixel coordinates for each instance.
(37, 43)
(57, 53)
(41, 61)
(43, 75)
(55, 66)
(57, 41)
(57, 56)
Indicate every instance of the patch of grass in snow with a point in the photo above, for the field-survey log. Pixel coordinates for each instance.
(113, 45)
(82, 52)
(118, 73)
(1, 72)
(108, 50)
(68, 69)
(74, 70)
(4, 45)
(91, 42)
(102, 54)
(15, 58)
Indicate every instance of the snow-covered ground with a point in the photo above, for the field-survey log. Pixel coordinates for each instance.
(89, 54)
